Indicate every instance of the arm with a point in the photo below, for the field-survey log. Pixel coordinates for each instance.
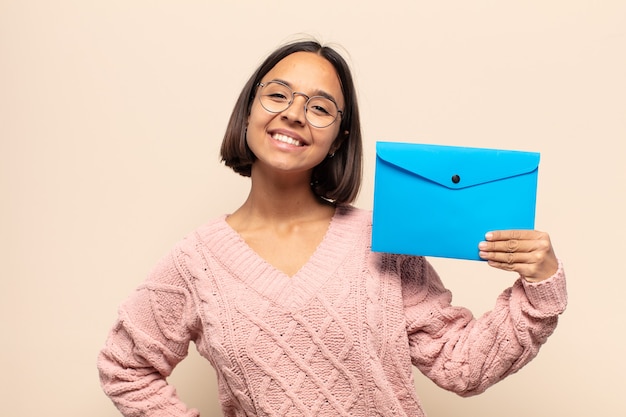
(150, 337)
(467, 355)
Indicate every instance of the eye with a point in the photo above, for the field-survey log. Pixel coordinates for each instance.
(277, 97)
(319, 110)
(277, 92)
(321, 106)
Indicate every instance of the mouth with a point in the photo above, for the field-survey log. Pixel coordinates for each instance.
(286, 139)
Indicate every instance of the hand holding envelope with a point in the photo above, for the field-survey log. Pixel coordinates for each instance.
(435, 200)
(527, 252)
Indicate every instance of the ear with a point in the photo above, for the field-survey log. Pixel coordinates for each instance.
(338, 141)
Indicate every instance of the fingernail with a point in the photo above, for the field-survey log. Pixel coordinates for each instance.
(482, 245)
(488, 235)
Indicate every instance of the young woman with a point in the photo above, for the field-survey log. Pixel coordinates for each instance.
(284, 296)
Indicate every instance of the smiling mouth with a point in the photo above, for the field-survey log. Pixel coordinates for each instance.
(286, 139)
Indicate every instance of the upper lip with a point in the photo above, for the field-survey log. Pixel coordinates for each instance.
(289, 133)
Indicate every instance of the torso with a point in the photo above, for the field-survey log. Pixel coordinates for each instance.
(323, 335)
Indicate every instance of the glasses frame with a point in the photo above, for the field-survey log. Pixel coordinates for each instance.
(306, 105)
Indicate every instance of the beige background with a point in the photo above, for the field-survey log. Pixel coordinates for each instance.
(111, 115)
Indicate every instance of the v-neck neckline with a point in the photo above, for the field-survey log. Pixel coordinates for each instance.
(294, 291)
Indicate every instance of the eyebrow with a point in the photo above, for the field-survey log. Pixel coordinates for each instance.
(317, 92)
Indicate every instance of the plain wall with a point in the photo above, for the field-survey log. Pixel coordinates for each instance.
(111, 116)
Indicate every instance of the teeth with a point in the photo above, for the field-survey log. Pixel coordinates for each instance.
(286, 139)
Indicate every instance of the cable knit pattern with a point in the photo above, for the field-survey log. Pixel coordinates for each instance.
(336, 339)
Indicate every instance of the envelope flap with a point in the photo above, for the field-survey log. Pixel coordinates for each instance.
(457, 167)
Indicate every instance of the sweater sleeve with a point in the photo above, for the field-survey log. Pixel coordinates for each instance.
(150, 337)
(467, 355)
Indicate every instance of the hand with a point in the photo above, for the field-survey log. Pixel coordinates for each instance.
(527, 252)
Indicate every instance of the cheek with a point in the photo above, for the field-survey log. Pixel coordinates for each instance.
(258, 117)
(256, 127)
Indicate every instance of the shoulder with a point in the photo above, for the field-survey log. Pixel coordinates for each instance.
(188, 250)
(354, 215)
(215, 229)
(352, 224)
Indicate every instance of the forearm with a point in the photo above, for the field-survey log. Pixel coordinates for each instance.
(151, 336)
(134, 376)
(467, 355)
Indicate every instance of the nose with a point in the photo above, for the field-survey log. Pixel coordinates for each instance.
(296, 111)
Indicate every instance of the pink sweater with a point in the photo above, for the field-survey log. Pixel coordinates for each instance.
(336, 339)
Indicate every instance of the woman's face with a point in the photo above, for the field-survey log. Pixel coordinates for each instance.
(286, 141)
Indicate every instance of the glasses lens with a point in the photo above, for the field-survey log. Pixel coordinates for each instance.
(320, 111)
(276, 97)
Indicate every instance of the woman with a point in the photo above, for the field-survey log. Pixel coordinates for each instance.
(284, 296)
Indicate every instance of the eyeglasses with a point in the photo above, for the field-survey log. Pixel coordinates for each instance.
(276, 97)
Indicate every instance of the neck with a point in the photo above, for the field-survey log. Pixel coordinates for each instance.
(283, 199)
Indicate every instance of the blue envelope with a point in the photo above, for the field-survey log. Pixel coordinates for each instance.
(435, 200)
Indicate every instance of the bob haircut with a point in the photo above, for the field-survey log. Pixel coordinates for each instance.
(338, 177)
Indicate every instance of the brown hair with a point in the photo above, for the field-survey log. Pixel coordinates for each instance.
(337, 178)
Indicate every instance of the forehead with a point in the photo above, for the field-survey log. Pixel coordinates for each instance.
(307, 72)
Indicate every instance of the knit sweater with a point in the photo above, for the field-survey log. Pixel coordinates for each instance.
(336, 339)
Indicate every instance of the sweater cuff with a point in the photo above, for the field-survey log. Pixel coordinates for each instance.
(549, 295)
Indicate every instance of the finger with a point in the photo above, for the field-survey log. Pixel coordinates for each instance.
(505, 261)
(518, 262)
(512, 245)
(507, 258)
(500, 235)
(507, 246)
(503, 266)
